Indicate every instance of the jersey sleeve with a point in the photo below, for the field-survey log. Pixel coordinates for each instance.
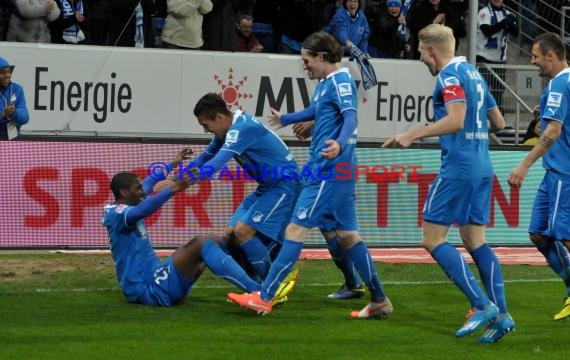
(556, 102)
(484, 17)
(490, 102)
(452, 90)
(346, 94)
(242, 136)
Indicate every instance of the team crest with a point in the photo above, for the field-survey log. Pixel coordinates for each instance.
(257, 217)
(302, 214)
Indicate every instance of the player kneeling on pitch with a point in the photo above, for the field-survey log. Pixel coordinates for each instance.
(141, 275)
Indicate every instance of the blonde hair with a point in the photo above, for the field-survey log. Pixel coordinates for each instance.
(438, 36)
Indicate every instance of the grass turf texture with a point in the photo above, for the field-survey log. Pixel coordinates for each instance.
(63, 306)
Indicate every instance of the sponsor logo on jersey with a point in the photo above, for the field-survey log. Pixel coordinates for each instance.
(232, 137)
(344, 89)
(554, 99)
(449, 81)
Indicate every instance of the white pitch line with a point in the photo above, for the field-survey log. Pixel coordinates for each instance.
(50, 290)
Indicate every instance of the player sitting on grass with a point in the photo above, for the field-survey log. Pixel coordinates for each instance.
(141, 275)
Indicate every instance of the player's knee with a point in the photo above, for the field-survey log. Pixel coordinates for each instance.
(243, 232)
(538, 240)
(201, 239)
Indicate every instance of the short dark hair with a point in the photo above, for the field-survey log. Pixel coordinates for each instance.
(210, 105)
(357, 9)
(551, 41)
(325, 43)
(246, 17)
(122, 181)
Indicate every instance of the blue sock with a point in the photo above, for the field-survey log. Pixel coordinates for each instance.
(491, 275)
(456, 268)
(344, 263)
(257, 255)
(364, 264)
(281, 267)
(556, 256)
(225, 267)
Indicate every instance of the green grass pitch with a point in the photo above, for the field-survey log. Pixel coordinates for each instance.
(63, 306)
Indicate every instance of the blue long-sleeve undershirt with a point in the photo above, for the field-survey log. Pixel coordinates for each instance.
(149, 182)
(219, 160)
(148, 206)
(349, 124)
(299, 116)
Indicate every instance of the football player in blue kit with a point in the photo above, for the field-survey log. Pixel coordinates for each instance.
(326, 193)
(142, 276)
(256, 228)
(352, 287)
(549, 227)
(461, 193)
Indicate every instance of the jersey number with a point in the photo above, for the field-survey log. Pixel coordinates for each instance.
(161, 274)
(480, 102)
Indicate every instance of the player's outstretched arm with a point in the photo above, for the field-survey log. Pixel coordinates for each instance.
(449, 124)
(278, 120)
(150, 182)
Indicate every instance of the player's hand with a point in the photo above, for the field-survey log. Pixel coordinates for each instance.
(161, 185)
(439, 19)
(9, 110)
(331, 151)
(517, 176)
(184, 154)
(402, 140)
(275, 119)
(303, 130)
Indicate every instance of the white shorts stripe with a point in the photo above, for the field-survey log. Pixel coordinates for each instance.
(317, 198)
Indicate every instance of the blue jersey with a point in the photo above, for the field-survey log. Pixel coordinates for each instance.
(465, 153)
(555, 106)
(333, 95)
(131, 248)
(257, 149)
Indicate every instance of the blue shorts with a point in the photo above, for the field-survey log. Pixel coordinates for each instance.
(551, 209)
(268, 210)
(331, 204)
(165, 285)
(458, 201)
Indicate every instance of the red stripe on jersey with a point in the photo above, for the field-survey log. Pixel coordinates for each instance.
(453, 92)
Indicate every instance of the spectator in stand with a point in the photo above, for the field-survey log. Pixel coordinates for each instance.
(13, 109)
(349, 26)
(183, 26)
(97, 23)
(5, 6)
(29, 20)
(384, 41)
(533, 131)
(297, 19)
(69, 27)
(219, 26)
(122, 23)
(435, 12)
(247, 42)
(494, 26)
